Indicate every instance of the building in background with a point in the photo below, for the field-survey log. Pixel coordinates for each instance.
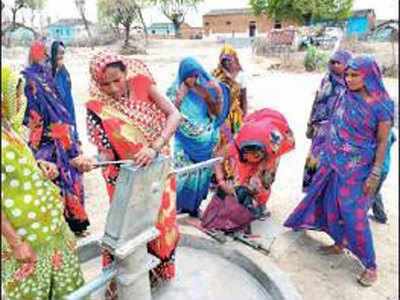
(161, 29)
(240, 22)
(189, 32)
(67, 30)
(361, 23)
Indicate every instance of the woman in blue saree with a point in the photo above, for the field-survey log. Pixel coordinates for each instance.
(62, 79)
(350, 169)
(52, 138)
(204, 105)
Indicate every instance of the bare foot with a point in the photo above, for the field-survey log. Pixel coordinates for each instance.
(331, 250)
(368, 277)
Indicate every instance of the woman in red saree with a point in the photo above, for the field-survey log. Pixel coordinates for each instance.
(129, 119)
(250, 163)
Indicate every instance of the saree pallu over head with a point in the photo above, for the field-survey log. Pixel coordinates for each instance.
(332, 86)
(46, 115)
(352, 139)
(199, 132)
(343, 57)
(265, 127)
(137, 120)
(13, 101)
(235, 117)
(197, 137)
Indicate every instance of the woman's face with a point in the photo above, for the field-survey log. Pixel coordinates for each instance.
(191, 81)
(337, 67)
(114, 82)
(354, 80)
(60, 56)
(253, 156)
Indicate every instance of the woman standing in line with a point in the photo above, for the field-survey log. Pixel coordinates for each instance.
(350, 170)
(204, 105)
(52, 137)
(332, 86)
(38, 251)
(128, 118)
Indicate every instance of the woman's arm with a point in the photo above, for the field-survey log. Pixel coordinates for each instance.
(21, 249)
(12, 238)
(214, 107)
(173, 117)
(382, 142)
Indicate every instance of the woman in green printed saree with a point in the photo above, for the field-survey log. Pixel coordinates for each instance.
(38, 251)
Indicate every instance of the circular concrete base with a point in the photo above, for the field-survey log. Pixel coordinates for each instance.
(206, 276)
(207, 270)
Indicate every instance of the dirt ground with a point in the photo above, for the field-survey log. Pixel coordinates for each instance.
(315, 276)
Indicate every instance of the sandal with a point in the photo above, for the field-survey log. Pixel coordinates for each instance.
(368, 277)
(331, 250)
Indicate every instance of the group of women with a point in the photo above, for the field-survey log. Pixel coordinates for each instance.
(206, 115)
(350, 127)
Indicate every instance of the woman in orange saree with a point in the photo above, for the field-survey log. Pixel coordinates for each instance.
(129, 119)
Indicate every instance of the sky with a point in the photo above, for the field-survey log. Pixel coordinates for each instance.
(57, 9)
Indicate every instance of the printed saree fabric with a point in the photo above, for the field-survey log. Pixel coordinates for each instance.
(235, 117)
(34, 208)
(119, 129)
(335, 201)
(197, 137)
(270, 131)
(52, 139)
(332, 86)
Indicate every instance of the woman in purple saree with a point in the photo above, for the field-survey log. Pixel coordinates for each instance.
(340, 193)
(332, 86)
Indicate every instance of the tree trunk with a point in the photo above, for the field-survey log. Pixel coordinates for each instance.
(143, 23)
(127, 33)
(81, 6)
(177, 27)
(14, 18)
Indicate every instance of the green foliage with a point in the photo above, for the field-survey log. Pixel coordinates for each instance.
(315, 59)
(176, 10)
(35, 4)
(303, 10)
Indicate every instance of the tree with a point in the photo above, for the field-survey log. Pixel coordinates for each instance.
(303, 10)
(176, 10)
(80, 5)
(121, 12)
(20, 4)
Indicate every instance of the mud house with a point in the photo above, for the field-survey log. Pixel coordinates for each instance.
(189, 32)
(239, 22)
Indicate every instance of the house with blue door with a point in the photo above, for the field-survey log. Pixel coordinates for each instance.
(67, 30)
(163, 29)
(361, 23)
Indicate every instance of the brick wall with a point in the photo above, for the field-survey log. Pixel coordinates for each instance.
(237, 23)
(188, 32)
